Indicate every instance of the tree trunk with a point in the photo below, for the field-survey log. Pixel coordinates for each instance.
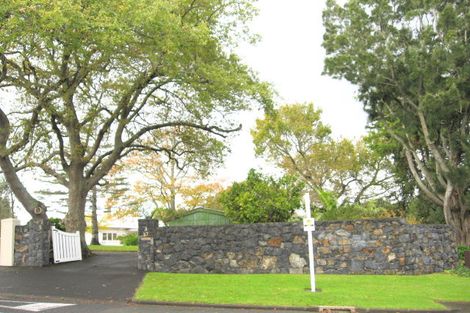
(75, 218)
(457, 215)
(94, 218)
(35, 208)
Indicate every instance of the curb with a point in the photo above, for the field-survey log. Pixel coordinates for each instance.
(59, 299)
(281, 308)
(227, 306)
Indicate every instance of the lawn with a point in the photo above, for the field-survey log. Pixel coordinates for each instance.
(113, 248)
(364, 291)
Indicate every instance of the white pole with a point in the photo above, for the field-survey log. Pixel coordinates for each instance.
(310, 244)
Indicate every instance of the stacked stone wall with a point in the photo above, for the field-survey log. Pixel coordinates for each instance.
(33, 244)
(385, 246)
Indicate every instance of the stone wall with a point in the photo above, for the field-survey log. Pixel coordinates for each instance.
(33, 244)
(387, 246)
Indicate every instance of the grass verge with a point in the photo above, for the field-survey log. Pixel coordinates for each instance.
(113, 248)
(364, 291)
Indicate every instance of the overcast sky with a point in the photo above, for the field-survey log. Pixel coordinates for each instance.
(290, 57)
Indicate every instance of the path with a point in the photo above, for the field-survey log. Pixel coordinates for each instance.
(105, 276)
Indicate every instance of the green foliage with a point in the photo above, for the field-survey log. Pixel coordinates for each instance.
(296, 139)
(461, 250)
(165, 215)
(58, 223)
(113, 248)
(411, 63)
(330, 210)
(423, 211)
(461, 270)
(262, 199)
(129, 240)
(105, 74)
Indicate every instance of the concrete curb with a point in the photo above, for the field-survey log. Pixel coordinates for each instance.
(281, 308)
(35, 298)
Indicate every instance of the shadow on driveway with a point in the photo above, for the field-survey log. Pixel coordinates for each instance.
(105, 276)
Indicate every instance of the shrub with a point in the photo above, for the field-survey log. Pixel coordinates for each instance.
(58, 223)
(461, 250)
(262, 199)
(129, 240)
(166, 215)
(461, 270)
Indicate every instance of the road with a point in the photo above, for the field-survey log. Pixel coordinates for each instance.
(104, 283)
(106, 276)
(26, 307)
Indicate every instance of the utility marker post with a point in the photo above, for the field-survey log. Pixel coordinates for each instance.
(309, 227)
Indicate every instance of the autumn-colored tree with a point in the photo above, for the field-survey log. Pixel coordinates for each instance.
(205, 195)
(163, 177)
(157, 183)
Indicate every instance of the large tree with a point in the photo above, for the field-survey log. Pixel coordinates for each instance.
(97, 76)
(411, 62)
(294, 137)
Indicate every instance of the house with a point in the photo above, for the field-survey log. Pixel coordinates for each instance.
(110, 229)
(201, 216)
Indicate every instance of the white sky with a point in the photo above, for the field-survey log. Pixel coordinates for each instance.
(290, 57)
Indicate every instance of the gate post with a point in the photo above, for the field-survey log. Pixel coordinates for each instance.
(7, 242)
(146, 256)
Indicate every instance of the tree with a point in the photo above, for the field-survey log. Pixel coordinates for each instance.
(411, 63)
(163, 178)
(33, 206)
(294, 137)
(100, 75)
(205, 195)
(261, 199)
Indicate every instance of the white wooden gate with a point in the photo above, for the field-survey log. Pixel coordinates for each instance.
(66, 246)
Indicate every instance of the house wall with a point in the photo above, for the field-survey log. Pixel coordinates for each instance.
(379, 246)
(118, 231)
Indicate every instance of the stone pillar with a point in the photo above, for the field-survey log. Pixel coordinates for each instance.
(7, 242)
(33, 244)
(146, 258)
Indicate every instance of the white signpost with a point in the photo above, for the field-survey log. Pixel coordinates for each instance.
(309, 227)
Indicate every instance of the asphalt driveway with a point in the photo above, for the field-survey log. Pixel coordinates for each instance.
(105, 276)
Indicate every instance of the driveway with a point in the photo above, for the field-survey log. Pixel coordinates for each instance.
(105, 276)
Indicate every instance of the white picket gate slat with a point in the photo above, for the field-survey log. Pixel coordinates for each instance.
(66, 246)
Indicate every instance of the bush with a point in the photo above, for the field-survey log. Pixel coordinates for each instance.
(461, 250)
(262, 199)
(331, 210)
(58, 223)
(166, 215)
(129, 240)
(461, 270)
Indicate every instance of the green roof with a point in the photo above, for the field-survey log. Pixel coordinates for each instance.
(201, 216)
